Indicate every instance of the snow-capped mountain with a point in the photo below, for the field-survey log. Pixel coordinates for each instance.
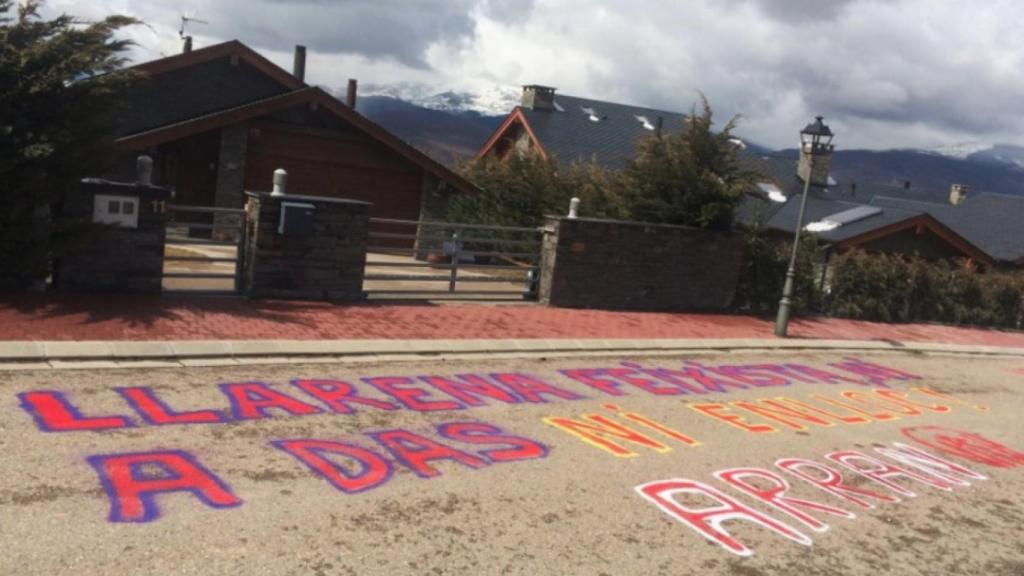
(486, 101)
(451, 124)
(983, 152)
(961, 151)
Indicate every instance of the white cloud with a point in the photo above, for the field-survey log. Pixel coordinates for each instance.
(884, 73)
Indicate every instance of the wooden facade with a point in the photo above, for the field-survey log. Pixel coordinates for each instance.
(219, 121)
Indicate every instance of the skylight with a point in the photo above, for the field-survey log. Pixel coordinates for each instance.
(843, 218)
(854, 214)
(645, 122)
(558, 106)
(738, 143)
(821, 226)
(772, 192)
(591, 113)
(831, 181)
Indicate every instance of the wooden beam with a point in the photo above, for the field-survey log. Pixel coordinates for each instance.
(515, 118)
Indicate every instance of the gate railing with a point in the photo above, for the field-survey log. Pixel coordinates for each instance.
(218, 239)
(470, 259)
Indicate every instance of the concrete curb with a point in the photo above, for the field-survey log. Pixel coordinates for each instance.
(117, 354)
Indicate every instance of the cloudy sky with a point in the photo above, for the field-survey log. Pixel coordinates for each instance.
(884, 73)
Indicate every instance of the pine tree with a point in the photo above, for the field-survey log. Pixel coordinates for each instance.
(690, 178)
(62, 80)
(521, 189)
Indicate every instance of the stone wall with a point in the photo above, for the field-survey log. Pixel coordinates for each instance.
(326, 265)
(816, 164)
(230, 193)
(588, 263)
(111, 258)
(434, 203)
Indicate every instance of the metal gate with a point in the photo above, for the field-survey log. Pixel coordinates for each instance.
(424, 259)
(204, 250)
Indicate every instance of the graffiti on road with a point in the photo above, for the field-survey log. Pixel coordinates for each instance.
(760, 416)
(135, 480)
(770, 487)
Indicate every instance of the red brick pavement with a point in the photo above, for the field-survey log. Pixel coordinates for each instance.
(179, 318)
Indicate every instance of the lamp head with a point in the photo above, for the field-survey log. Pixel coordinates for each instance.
(816, 133)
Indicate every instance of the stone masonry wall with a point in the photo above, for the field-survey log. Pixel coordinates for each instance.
(610, 264)
(230, 193)
(327, 265)
(434, 202)
(114, 259)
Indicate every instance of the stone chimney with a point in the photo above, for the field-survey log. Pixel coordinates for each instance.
(350, 97)
(957, 193)
(299, 65)
(538, 97)
(822, 164)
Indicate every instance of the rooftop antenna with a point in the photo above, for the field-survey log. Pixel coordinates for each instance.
(185, 19)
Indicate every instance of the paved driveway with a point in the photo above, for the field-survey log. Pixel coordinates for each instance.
(729, 464)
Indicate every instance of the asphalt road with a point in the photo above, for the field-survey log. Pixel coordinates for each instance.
(722, 464)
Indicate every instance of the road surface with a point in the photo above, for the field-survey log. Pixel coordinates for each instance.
(748, 464)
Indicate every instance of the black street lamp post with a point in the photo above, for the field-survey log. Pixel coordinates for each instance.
(815, 140)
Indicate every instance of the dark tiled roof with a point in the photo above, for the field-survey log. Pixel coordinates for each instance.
(571, 136)
(194, 91)
(227, 83)
(820, 209)
(991, 222)
(778, 170)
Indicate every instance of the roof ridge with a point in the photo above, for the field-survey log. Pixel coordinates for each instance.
(220, 50)
(999, 194)
(914, 200)
(595, 100)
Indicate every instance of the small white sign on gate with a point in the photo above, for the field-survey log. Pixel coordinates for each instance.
(120, 210)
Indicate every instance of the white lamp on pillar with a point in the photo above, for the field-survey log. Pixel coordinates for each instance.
(280, 182)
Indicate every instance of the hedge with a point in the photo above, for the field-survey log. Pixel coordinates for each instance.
(880, 287)
(893, 288)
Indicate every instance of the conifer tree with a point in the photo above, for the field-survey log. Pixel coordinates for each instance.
(691, 177)
(61, 81)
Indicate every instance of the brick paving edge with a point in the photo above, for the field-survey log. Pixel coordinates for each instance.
(154, 354)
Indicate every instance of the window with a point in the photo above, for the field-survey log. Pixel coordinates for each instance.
(114, 207)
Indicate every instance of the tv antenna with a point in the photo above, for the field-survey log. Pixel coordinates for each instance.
(185, 19)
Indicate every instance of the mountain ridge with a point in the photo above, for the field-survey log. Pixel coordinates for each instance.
(452, 125)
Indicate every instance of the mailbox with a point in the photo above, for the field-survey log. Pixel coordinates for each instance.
(120, 210)
(296, 219)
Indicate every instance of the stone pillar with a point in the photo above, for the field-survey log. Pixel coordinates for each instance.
(230, 193)
(326, 264)
(434, 198)
(815, 164)
(610, 264)
(111, 257)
